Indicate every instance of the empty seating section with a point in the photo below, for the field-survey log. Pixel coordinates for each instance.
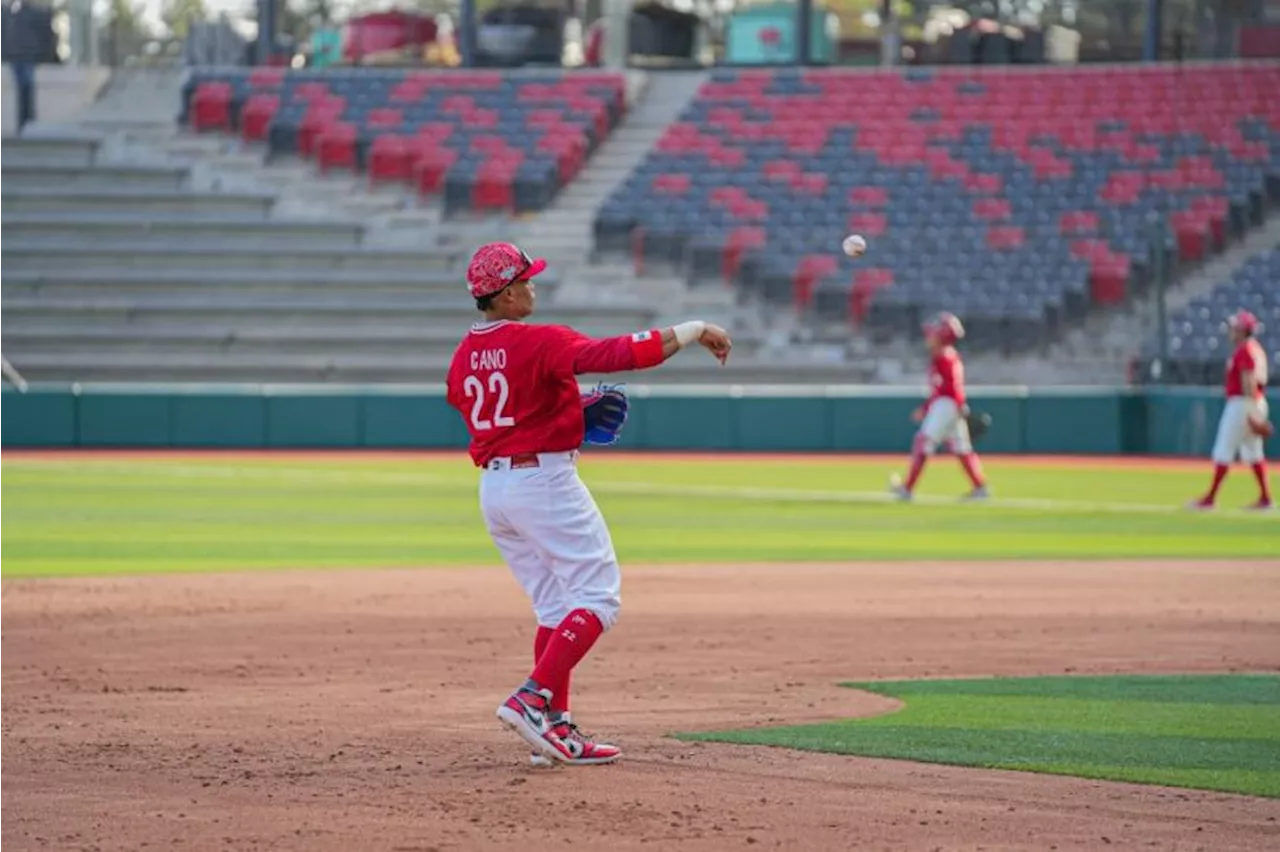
(1198, 347)
(485, 140)
(1019, 198)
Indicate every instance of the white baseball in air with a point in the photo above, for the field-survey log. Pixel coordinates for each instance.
(854, 245)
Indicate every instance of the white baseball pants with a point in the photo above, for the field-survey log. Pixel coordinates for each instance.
(943, 423)
(1234, 435)
(552, 536)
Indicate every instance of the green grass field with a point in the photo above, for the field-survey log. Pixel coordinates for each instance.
(100, 515)
(1216, 732)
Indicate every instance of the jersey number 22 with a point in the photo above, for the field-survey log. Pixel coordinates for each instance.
(475, 391)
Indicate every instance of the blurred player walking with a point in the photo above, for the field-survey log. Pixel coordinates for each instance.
(942, 418)
(515, 385)
(1244, 426)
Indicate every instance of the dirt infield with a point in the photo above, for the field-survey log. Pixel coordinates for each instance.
(354, 711)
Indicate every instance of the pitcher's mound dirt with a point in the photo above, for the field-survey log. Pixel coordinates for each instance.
(354, 711)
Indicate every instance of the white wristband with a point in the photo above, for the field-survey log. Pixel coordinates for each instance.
(688, 332)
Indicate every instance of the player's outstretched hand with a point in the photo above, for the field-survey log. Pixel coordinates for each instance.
(716, 340)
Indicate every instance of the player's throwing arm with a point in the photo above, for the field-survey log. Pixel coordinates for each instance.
(516, 386)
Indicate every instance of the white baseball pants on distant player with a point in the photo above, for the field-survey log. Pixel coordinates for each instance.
(1234, 435)
(943, 423)
(553, 538)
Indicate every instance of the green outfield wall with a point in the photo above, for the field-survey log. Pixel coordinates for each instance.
(1161, 421)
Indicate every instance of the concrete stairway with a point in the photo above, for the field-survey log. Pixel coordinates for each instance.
(1109, 339)
(135, 116)
(62, 92)
(1202, 281)
(563, 232)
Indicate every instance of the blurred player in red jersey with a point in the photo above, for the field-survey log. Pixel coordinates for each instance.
(516, 386)
(1245, 411)
(942, 417)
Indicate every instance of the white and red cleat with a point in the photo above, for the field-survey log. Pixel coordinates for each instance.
(1203, 504)
(1263, 505)
(583, 750)
(527, 712)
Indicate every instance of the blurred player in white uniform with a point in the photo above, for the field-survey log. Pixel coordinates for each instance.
(942, 417)
(1244, 425)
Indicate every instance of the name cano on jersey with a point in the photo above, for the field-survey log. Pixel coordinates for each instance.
(489, 359)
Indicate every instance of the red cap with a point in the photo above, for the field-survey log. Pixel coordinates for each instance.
(1243, 320)
(947, 326)
(496, 265)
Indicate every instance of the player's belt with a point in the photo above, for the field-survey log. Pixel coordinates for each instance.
(523, 461)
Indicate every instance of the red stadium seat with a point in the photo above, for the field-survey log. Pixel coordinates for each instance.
(1108, 281)
(493, 189)
(990, 209)
(808, 271)
(320, 116)
(389, 159)
(672, 184)
(429, 169)
(211, 107)
(256, 115)
(336, 147)
(385, 117)
(1005, 237)
(1078, 223)
(739, 241)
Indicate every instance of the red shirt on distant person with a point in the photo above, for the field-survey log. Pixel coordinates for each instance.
(1249, 357)
(946, 376)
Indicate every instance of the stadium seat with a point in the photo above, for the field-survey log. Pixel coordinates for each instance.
(1025, 200)
(530, 133)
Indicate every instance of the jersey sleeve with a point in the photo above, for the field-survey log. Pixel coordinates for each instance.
(1244, 361)
(569, 352)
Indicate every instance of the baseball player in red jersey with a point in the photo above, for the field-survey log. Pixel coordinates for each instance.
(942, 417)
(515, 385)
(1243, 426)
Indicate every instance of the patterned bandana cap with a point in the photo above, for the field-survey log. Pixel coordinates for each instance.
(496, 265)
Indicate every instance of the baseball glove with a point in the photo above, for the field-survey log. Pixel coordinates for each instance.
(1261, 426)
(979, 423)
(604, 411)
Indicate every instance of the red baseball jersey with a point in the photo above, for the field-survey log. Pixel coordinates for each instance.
(946, 376)
(516, 387)
(1249, 357)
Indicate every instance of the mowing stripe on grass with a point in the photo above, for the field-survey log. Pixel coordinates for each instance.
(634, 489)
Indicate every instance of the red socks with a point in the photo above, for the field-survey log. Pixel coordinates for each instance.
(917, 467)
(1219, 474)
(559, 691)
(567, 645)
(1260, 473)
(969, 461)
(973, 469)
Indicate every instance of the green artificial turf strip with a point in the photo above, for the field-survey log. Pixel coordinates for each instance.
(1219, 732)
(96, 516)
